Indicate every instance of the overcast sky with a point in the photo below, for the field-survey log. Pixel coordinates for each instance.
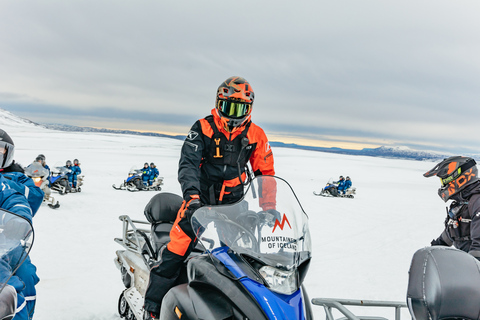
(348, 73)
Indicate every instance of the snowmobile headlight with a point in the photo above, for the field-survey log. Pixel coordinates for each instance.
(37, 179)
(279, 280)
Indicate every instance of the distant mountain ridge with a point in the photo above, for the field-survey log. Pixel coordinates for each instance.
(385, 152)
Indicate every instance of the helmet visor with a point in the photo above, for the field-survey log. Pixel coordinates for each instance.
(234, 109)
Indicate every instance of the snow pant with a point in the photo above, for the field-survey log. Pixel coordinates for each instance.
(164, 274)
(72, 180)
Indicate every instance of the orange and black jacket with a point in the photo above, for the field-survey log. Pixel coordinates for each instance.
(211, 158)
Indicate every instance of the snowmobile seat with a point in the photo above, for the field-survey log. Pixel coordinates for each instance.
(443, 284)
(163, 207)
(161, 211)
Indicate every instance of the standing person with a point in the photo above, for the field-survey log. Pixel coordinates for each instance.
(460, 183)
(25, 202)
(75, 172)
(153, 173)
(212, 170)
(146, 172)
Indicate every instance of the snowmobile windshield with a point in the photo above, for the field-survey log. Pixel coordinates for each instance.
(134, 170)
(267, 225)
(60, 169)
(16, 238)
(36, 170)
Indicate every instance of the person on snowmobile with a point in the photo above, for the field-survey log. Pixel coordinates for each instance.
(340, 185)
(41, 158)
(460, 183)
(19, 195)
(75, 172)
(68, 165)
(146, 172)
(212, 171)
(153, 173)
(348, 184)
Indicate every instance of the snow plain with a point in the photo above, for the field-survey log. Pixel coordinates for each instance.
(362, 246)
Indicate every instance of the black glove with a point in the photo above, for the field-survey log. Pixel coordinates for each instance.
(270, 216)
(438, 242)
(191, 206)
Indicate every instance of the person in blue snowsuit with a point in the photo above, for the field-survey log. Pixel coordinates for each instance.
(348, 184)
(153, 173)
(75, 172)
(340, 185)
(19, 195)
(69, 166)
(146, 172)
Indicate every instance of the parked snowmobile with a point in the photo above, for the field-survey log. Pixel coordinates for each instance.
(39, 176)
(253, 266)
(59, 179)
(134, 182)
(16, 239)
(330, 190)
(433, 293)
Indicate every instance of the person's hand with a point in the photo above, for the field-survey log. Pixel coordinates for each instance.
(190, 205)
(270, 216)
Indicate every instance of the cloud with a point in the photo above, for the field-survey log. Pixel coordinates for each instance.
(402, 71)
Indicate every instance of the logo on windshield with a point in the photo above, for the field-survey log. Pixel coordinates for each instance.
(281, 224)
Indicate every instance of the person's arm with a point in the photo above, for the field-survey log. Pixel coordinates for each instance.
(261, 159)
(474, 209)
(13, 201)
(190, 159)
(262, 163)
(25, 185)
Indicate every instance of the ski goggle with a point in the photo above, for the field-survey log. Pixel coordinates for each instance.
(6, 154)
(454, 175)
(234, 109)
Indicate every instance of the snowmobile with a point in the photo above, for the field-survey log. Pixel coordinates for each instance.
(16, 239)
(134, 182)
(59, 179)
(248, 264)
(39, 175)
(330, 190)
(432, 292)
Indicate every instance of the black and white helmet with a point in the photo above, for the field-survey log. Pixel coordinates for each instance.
(7, 149)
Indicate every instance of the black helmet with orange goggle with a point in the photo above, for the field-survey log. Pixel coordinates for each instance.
(7, 148)
(455, 174)
(234, 100)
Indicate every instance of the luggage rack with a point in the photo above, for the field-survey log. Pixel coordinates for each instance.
(339, 304)
(133, 238)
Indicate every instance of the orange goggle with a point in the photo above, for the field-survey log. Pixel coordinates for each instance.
(234, 109)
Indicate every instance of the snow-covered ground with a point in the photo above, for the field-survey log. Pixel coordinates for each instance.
(362, 246)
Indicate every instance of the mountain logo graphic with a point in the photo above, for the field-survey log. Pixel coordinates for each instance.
(281, 224)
